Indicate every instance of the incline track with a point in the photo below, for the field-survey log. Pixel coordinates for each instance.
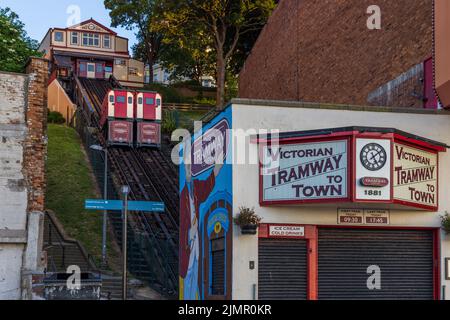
(150, 175)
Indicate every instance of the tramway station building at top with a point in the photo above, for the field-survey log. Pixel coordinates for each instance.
(91, 50)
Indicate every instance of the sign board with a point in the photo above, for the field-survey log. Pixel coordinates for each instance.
(304, 172)
(363, 217)
(415, 176)
(117, 205)
(373, 170)
(110, 205)
(206, 148)
(350, 216)
(286, 231)
(376, 217)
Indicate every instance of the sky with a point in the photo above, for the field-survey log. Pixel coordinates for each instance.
(41, 15)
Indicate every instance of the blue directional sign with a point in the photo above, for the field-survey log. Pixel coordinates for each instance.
(146, 206)
(111, 205)
(117, 205)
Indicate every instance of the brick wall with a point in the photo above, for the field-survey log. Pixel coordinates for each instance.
(323, 51)
(36, 143)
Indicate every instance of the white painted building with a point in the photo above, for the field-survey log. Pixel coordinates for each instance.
(368, 226)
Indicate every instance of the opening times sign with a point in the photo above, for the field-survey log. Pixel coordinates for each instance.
(305, 172)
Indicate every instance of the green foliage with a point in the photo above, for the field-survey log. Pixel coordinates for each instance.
(69, 183)
(139, 15)
(168, 93)
(445, 219)
(55, 117)
(212, 29)
(206, 101)
(246, 217)
(15, 46)
(169, 123)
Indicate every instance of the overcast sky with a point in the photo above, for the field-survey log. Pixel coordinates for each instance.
(41, 15)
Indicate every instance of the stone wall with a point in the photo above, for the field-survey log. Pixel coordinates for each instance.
(23, 112)
(322, 51)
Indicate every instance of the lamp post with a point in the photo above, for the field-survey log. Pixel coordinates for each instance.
(125, 192)
(105, 197)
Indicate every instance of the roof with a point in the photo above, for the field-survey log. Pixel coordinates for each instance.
(91, 20)
(334, 106)
(360, 129)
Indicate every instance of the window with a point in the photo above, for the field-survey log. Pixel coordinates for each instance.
(133, 71)
(120, 99)
(107, 42)
(149, 101)
(120, 62)
(99, 68)
(158, 102)
(91, 67)
(111, 99)
(74, 38)
(82, 67)
(59, 36)
(91, 40)
(130, 100)
(140, 101)
(108, 69)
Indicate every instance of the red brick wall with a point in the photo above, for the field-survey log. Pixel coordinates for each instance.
(323, 51)
(35, 146)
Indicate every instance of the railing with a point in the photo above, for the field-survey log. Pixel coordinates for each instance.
(63, 241)
(188, 107)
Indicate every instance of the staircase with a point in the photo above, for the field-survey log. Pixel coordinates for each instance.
(63, 251)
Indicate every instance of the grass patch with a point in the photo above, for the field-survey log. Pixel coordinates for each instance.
(69, 183)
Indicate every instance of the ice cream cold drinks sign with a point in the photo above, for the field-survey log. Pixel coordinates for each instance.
(307, 171)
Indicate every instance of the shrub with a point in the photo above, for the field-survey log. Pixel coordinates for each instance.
(169, 123)
(246, 217)
(55, 117)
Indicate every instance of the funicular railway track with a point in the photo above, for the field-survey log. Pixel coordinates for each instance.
(151, 177)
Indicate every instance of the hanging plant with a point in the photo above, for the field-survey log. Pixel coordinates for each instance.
(248, 220)
(445, 219)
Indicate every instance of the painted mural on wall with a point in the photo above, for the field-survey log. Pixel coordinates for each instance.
(206, 212)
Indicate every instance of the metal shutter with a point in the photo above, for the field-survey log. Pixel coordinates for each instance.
(218, 267)
(405, 258)
(282, 269)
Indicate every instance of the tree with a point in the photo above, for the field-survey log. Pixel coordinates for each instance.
(15, 46)
(187, 53)
(222, 22)
(138, 14)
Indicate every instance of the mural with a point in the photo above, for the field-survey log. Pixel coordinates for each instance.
(206, 212)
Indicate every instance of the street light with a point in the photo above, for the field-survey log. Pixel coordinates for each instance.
(105, 197)
(125, 193)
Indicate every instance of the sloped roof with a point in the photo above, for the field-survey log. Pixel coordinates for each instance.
(92, 21)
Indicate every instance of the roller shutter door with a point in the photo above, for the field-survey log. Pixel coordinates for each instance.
(282, 269)
(405, 258)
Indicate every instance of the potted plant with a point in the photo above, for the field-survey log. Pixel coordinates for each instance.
(248, 221)
(446, 223)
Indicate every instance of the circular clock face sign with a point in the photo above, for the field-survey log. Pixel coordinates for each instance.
(373, 157)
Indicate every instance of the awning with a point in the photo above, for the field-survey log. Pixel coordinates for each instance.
(62, 61)
(88, 56)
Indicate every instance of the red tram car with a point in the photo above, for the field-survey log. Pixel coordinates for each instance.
(148, 119)
(132, 118)
(118, 117)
